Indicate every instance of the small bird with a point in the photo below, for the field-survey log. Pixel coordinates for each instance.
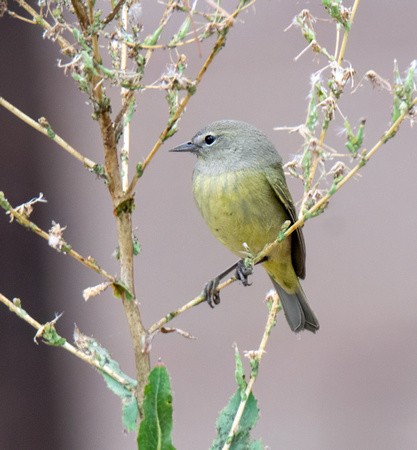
(240, 189)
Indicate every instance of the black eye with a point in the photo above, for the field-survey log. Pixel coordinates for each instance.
(209, 139)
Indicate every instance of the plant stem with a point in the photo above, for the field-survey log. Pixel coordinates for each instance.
(219, 44)
(136, 328)
(366, 156)
(123, 219)
(194, 302)
(346, 34)
(332, 96)
(261, 350)
(47, 132)
(78, 353)
(67, 48)
(88, 262)
(126, 125)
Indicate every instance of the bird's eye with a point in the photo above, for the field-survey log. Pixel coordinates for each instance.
(209, 139)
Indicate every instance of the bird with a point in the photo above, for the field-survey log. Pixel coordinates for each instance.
(240, 190)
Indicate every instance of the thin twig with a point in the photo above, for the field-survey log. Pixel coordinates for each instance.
(162, 23)
(88, 262)
(194, 302)
(325, 199)
(63, 43)
(315, 161)
(126, 124)
(81, 13)
(116, 9)
(47, 131)
(346, 34)
(219, 44)
(190, 15)
(23, 19)
(78, 353)
(259, 353)
(120, 115)
(161, 46)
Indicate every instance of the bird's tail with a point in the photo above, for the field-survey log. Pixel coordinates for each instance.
(297, 311)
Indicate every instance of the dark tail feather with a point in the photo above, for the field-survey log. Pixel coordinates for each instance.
(297, 311)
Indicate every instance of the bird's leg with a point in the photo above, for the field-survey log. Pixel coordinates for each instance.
(210, 292)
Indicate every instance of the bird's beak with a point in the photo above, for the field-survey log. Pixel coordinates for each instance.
(186, 147)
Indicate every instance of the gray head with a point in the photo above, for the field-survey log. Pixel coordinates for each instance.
(229, 145)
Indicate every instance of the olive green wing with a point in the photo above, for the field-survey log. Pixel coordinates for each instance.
(276, 178)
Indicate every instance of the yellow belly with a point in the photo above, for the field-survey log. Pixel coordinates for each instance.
(240, 207)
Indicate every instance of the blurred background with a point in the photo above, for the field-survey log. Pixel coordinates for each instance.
(352, 385)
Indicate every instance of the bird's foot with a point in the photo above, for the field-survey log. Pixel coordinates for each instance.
(210, 292)
(243, 271)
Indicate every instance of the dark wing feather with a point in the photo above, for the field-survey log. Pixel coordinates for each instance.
(276, 178)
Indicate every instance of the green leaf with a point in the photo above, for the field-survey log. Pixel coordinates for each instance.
(139, 169)
(403, 90)
(409, 82)
(338, 12)
(354, 142)
(156, 427)
(130, 111)
(130, 409)
(100, 171)
(306, 165)
(82, 81)
(181, 32)
(312, 116)
(125, 207)
(4, 202)
(241, 440)
(137, 248)
(240, 374)
(107, 72)
(88, 63)
(120, 289)
(282, 231)
(80, 39)
(336, 181)
(45, 124)
(153, 38)
(51, 336)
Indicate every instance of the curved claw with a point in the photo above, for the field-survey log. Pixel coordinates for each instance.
(210, 292)
(243, 271)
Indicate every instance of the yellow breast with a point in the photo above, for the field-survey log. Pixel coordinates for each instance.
(239, 207)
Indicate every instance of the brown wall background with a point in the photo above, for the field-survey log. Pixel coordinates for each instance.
(350, 386)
